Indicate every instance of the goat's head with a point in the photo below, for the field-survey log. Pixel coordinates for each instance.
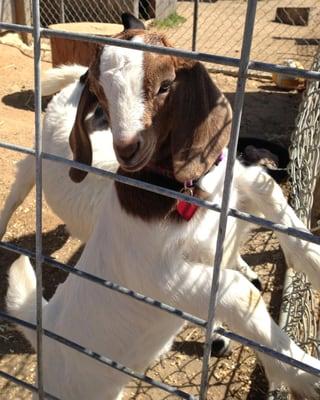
(162, 110)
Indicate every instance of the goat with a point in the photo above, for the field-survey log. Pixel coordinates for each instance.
(169, 126)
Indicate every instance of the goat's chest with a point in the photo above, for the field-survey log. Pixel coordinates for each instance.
(199, 244)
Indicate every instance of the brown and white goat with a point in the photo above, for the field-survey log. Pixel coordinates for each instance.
(169, 124)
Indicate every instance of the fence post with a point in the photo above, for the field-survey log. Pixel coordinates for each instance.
(232, 153)
(62, 15)
(38, 166)
(195, 24)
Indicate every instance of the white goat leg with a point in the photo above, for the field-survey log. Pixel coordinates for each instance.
(247, 271)
(241, 307)
(268, 198)
(24, 182)
(232, 258)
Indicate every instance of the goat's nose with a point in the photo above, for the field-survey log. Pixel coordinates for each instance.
(127, 150)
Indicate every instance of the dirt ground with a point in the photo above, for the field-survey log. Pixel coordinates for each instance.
(221, 23)
(268, 113)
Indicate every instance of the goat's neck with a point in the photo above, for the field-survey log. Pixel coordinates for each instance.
(147, 205)
(144, 204)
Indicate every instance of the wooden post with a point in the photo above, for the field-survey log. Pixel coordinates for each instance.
(23, 17)
(68, 51)
(297, 16)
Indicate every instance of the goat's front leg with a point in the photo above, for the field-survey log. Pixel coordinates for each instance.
(239, 264)
(237, 233)
(241, 307)
(24, 182)
(266, 196)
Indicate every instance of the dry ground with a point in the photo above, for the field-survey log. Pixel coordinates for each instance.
(268, 113)
(221, 24)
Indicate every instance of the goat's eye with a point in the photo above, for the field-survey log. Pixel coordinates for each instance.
(164, 87)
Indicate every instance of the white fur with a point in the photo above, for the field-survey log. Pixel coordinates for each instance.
(55, 79)
(76, 204)
(168, 261)
(121, 76)
(20, 295)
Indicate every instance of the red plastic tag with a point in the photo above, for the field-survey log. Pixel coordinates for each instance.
(186, 210)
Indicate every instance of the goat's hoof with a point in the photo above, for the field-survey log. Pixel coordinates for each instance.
(311, 393)
(220, 348)
(257, 283)
(303, 385)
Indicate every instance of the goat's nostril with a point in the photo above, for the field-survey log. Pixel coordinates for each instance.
(128, 152)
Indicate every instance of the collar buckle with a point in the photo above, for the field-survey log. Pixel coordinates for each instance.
(188, 188)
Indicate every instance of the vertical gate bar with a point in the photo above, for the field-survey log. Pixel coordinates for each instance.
(62, 16)
(195, 24)
(38, 161)
(235, 128)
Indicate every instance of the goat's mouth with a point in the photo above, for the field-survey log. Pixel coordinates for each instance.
(136, 157)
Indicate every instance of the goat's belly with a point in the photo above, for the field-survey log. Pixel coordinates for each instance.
(70, 375)
(132, 338)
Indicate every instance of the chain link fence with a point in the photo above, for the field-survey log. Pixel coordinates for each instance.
(284, 30)
(300, 305)
(305, 149)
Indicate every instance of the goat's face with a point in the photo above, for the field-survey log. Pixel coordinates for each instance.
(161, 109)
(136, 86)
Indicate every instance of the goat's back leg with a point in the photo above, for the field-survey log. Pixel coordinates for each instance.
(245, 313)
(241, 307)
(23, 183)
(268, 198)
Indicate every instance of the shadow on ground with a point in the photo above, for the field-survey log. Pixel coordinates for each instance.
(52, 277)
(24, 100)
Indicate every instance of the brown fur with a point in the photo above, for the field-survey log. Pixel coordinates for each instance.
(148, 205)
(201, 122)
(79, 138)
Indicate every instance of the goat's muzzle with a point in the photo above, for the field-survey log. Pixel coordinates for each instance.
(126, 152)
(135, 153)
(132, 155)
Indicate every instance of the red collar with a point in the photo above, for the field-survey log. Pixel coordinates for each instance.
(187, 210)
(184, 209)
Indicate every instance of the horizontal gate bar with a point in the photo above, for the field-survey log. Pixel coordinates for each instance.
(231, 335)
(19, 149)
(205, 57)
(25, 385)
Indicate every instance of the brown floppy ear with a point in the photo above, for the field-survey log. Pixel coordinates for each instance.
(201, 122)
(79, 138)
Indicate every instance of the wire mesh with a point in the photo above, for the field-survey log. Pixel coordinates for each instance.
(304, 171)
(299, 309)
(305, 149)
(291, 34)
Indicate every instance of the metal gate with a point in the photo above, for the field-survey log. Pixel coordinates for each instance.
(243, 64)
